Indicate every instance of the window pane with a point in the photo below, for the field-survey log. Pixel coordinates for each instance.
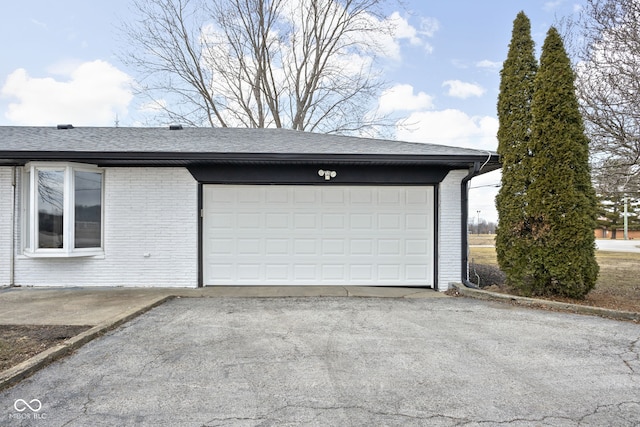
(50, 208)
(27, 210)
(88, 209)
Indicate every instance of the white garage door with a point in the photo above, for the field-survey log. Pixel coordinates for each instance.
(318, 235)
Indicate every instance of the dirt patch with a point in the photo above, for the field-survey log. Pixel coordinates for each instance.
(21, 342)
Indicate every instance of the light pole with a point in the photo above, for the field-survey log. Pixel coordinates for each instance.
(626, 219)
(478, 224)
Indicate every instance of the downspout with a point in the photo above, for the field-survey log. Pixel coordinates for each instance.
(12, 233)
(464, 188)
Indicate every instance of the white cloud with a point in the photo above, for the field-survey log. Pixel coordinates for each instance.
(429, 26)
(460, 89)
(93, 93)
(456, 128)
(552, 5)
(489, 65)
(39, 23)
(403, 30)
(450, 127)
(401, 98)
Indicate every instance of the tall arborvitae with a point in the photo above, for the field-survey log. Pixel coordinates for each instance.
(514, 115)
(562, 205)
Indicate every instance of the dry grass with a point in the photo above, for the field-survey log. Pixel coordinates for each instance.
(482, 239)
(618, 285)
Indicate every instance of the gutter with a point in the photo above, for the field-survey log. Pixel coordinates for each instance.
(464, 188)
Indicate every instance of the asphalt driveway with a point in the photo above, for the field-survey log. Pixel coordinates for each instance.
(341, 361)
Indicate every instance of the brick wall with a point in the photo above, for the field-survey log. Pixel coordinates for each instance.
(5, 224)
(151, 235)
(449, 230)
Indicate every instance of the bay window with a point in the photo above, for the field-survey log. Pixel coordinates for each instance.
(63, 210)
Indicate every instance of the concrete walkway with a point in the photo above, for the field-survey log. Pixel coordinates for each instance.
(94, 306)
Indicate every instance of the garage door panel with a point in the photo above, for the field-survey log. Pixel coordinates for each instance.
(251, 195)
(223, 221)
(390, 221)
(305, 272)
(364, 197)
(333, 247)
(318, 235)
(220, 247)
(277, 195)
(416, 247)
(389, 247)
(279, 272)
(249, 246)
(389, 272)
(302, 197)
(249, 220)
(361, 272)
(364, 221)
(303, 221)
(416, 221)
(305, 247)
(224, 273)
(333, 272)
(388, 196)
(333, 221)
(276, 221)
(334, 196)
(416, 272)
(276, 247)
(362, 247)
(249, 272)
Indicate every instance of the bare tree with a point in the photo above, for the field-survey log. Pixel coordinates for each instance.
(300, 64)
(608, 86)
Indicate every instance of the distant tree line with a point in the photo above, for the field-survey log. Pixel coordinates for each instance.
(484, 227)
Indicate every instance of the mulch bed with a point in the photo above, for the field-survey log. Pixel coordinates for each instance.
(21, 342)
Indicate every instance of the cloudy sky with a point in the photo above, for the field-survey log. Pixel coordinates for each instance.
(61, 66)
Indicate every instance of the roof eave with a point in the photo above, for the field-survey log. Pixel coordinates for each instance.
(130, 158)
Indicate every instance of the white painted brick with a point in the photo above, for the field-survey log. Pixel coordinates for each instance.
(5, 224)
(450, 230)
(147, 210)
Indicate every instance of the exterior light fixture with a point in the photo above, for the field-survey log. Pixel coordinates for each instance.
(327, 174)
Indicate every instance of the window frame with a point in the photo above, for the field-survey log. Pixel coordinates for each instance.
(31, 211)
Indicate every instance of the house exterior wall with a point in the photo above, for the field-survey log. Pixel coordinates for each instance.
(5, 224)
(150, 235)
(603, 233)
(450, 230)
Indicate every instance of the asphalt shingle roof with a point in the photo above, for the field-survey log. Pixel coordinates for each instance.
(215, 143)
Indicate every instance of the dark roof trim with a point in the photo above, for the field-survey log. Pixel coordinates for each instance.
(174, 159)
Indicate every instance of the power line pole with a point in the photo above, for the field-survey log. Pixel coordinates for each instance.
(626, 219)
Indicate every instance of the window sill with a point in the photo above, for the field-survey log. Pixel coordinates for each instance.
(61, 254)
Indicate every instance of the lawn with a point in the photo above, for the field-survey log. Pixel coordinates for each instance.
(618, 285)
